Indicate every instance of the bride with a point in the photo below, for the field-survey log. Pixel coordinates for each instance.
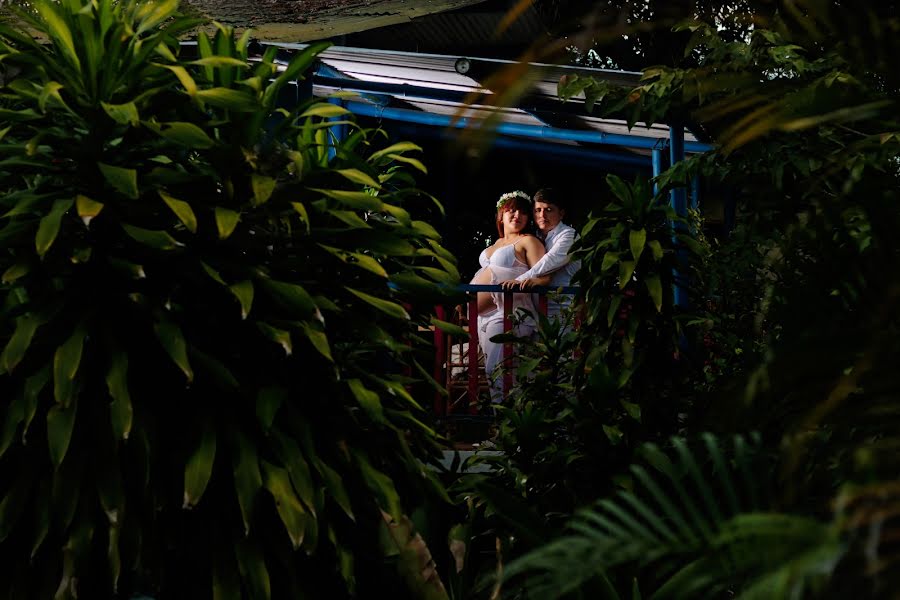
(514, 252)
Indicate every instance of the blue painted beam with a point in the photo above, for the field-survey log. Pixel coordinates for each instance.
(532, 131)
(572, 154)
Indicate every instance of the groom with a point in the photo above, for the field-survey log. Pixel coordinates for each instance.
(549, 211)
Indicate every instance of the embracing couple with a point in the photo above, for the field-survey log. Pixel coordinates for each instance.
(521, 260)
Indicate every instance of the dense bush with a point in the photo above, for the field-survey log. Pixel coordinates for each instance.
(210, 309)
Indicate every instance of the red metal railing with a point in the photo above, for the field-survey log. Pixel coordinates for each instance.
(445, 365)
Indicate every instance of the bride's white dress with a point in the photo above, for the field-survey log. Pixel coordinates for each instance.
(503, 265)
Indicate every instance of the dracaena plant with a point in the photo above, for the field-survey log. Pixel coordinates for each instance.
(210, 308)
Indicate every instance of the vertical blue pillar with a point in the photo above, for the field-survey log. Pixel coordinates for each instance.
(657, 164)
(678, 202)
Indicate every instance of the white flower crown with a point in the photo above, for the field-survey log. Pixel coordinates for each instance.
(511, 195)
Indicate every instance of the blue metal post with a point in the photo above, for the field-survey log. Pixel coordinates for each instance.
(678, 202)
(657, 158)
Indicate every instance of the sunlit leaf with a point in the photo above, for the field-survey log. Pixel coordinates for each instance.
(60, 424)
(121, 178)
(226, 221)
(182, 210)
(263, 187)
(198, 469)
(87, 208)
(172, 340)
(121, 411)
(386, 306)
(160, 240)
(49, 226)
(294, 518)
(243, 291)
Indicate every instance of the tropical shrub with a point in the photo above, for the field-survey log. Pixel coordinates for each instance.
(210, 308)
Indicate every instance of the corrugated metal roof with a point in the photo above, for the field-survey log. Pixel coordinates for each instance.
(410, 72)
(309, 20)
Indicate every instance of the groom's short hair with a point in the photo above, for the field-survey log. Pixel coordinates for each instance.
(550, 196)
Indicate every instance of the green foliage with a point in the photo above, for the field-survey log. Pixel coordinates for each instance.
(697, 526)
(208, 320)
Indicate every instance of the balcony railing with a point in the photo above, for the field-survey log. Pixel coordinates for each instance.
(455, 357)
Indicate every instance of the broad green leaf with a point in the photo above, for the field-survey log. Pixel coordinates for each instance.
(151, 14)
(226, 221)
(87, 209)
(626, 269)
(656, 248)
(357, 176)
(613, 309)
(413, 162)
(125, 114)
(59, 32)
(636, 240)
(268, 401)
(291, 296)
(619, 188)
(335, 486)
(60, 424)
(198, 469)
(318, 339)
(247, 478)
(386, 306)
(278, 482)
(214, 275)
(654, 287)
(304, 216)
(350, 218)
(613, 434)
(229, 99)
(363, 261)
(279, 336)
(120, 410)
(252, 567)
(393, 149)
(34, 385)
(400, 214)
(122, 179)
(380, 485)
(14, 502)
(172, 340)
(49, 226)
(298, 64)
(426, 229)
(161, 240)
(263, 187)
(452, 329)
(20, 269)
(65, 366)
(324, 110)
(292, 458)
(19, 342)
(354, 200)
(368, 400)
(609, 259)
(190, 86)
(243, 291)
(219, 61)
(15, 414)
(188, 135)
(182, 210)
(633, 410)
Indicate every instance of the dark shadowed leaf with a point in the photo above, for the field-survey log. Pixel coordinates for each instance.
(198, 469)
